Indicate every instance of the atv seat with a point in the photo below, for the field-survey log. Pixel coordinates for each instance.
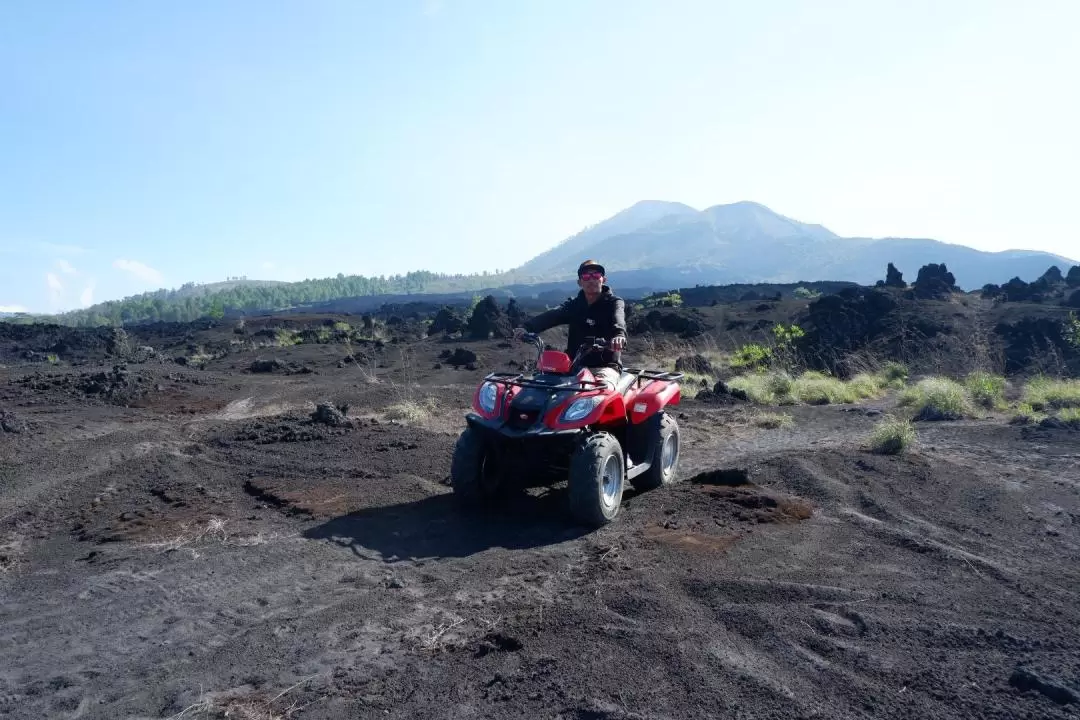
(624, 383)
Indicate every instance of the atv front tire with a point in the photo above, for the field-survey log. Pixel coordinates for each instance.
(597, 474)
(473, 476)
(664, 440)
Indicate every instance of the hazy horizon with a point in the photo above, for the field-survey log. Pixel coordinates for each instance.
(150, 146)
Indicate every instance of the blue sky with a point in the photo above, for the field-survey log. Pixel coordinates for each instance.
(143, 145)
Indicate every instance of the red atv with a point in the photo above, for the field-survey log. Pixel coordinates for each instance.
(561, 423)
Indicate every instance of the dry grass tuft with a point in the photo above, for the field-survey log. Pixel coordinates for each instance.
(938, 398)
(413, 412)
(892, 436)
(772, 421)
(1044, 393)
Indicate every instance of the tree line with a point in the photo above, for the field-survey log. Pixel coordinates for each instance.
(189, 302)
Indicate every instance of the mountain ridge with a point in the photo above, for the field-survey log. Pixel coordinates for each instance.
(753, 243)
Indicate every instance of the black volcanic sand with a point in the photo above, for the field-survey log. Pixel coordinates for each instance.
(191, 543)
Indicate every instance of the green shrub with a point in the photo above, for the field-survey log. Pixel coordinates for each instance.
(937, 399)
(750, 356)
(892, 436)
(894, 374)
(986, 389)
(1044, 393)
(782, 387)
(286, 337)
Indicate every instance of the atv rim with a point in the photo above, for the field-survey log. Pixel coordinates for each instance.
(669, 453)
(612, 479)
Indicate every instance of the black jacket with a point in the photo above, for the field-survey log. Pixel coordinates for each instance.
(605, 318)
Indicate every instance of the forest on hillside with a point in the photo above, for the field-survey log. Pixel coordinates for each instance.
(185, 304)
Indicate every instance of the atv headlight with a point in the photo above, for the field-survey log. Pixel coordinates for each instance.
(488, 392)
(581, 408)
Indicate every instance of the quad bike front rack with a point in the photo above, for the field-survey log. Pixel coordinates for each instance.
(509, 378)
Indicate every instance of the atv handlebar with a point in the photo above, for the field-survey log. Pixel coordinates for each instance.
(591, 343)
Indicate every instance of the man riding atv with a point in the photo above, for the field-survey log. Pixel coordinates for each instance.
(579, 416)
(595, 312)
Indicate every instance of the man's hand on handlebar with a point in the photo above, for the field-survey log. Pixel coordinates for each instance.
(618, 343)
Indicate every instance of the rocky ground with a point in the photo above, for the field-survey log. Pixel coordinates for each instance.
(201, 540)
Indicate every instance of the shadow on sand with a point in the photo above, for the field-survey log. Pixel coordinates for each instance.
(437, 527)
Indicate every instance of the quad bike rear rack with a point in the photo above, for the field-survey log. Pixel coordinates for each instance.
(655, 375)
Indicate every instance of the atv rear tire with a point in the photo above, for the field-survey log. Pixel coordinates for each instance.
(473, 476)
(597, 474)
(664, 439)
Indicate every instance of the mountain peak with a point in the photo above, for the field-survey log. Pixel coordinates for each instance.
(746, 241)
(748, 216)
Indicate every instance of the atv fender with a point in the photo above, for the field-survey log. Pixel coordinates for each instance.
(652, 399)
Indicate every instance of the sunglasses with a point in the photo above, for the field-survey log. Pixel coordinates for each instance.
(591, 276)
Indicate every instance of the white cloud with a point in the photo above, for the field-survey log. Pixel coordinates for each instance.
(56, 288)
(86, 299)
(12, 309)
(140, 270)
(65, 267)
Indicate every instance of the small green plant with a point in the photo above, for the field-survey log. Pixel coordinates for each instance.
(286, 337)
(53, 358)
(785, 337)
(782, 387)
(986, 389)
(342, 327)
(937, 398)
(772, 421)
(750, 356)
(892, 436)
(805, 293)
(1044, 393)
(672, 299)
